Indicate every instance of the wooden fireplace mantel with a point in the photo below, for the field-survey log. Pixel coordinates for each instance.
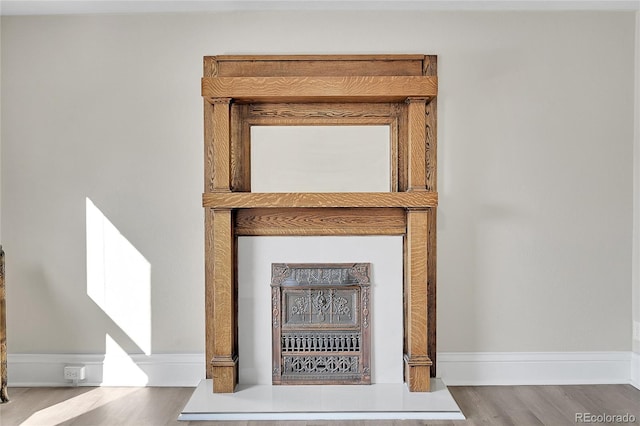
(395, 90)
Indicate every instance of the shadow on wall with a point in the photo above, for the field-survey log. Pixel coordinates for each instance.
(119, 282)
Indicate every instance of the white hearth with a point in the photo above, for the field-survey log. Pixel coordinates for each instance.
(257, 399)
(322, 402)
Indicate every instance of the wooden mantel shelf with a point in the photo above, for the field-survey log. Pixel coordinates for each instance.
(238, 200)
(318, 89)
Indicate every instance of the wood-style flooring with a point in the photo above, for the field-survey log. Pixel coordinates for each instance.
(482, 405)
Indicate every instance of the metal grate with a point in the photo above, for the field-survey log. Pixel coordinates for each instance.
(321, 342)
(321, 325)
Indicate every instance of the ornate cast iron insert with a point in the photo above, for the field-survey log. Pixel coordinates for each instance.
(321, 323)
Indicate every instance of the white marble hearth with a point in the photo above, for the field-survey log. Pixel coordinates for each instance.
(325, 402)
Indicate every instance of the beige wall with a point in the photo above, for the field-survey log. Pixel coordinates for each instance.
(0, 138)
(636, 195)
(535, 154)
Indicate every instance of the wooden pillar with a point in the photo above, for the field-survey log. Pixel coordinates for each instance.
(416, 360)
(4, 396)
(220, 253)
(221, 145)
(431, 184)
(431, 287)
(417, 176)
(209, 300)
(430, 68)
(223, 321)
(417, 364)
(217, 135)
(431, 159)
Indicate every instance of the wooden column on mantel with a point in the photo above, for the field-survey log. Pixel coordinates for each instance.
(4, 395)
(220, 282)
(395, 90)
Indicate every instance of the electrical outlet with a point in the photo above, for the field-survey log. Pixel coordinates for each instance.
(74, 372)
(636, 330)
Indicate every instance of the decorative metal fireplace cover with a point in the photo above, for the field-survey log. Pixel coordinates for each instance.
(321, 323)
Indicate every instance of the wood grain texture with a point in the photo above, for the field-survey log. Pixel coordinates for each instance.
(417, 362)
(208, 146)
(225, 374)
(336, 89)
(221, 145)
(310, 67)
(430, 65)
(320, 121)
(224, 319)
(431, 145)
(4, 394)
(328, 65)
(209, 286)
(431, 165)
(321, 110)
(432, 261)
(240, 200)
(240, 162)
(245, 142)
(327, 221)
(210, 66)
(321, 59)
(403, 144)
(223, 280)
(417, 373)
(416, 150)
(416, 281)
(394, 134)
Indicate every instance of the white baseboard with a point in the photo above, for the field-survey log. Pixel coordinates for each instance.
(635, 369)
(455, 369)
(533, 368)
(28, 370)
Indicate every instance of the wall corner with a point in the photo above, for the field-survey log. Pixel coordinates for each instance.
(635, 263)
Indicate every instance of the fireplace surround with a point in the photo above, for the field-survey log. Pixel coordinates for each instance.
(395, 90)
(257, 254)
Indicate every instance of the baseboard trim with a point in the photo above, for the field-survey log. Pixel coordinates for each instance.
(34, 370)
(455, 369)
(635, 370)
(534, 368)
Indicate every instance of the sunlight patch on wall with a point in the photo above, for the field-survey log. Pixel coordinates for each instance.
(118, 278)
(119, 369)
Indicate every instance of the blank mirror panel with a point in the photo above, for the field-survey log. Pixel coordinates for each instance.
(320, 159)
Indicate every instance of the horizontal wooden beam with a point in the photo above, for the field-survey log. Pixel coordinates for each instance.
(318, 221)
(334, 89)
(240, 200)
(316, 65)
(319, 58)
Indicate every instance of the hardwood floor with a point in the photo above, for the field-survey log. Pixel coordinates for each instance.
(482, 405)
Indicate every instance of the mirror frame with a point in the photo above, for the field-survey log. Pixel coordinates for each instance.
(397, 90)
